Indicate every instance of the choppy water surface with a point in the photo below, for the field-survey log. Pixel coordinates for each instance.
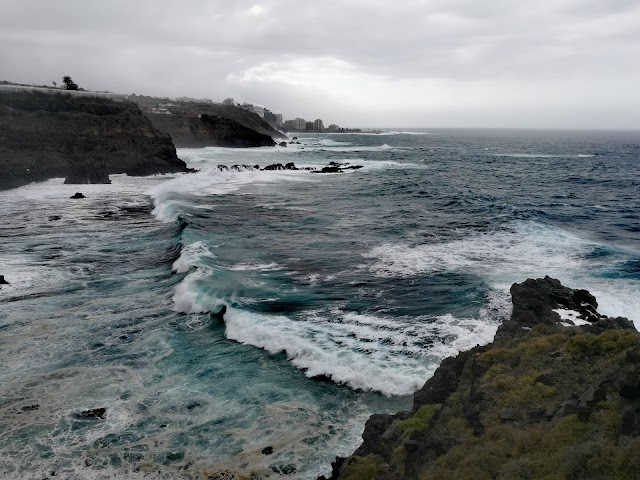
(344, 292)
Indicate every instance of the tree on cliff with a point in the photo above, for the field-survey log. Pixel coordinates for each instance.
(68, 83)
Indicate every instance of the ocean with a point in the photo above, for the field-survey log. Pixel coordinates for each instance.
(343, 292)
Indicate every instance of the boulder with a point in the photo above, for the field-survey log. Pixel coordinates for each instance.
(283, 144)
(77, 195)
(3, 281)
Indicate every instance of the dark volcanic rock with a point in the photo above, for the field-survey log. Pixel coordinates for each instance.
(100, 413)
(86, 139)
(77, 195)
(329, 170)
(83, 174)
(3, 281)
(283, 144)
(191, 131)
(279, 166)
(539, 394)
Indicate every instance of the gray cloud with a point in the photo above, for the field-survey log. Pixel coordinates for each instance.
(550, 63)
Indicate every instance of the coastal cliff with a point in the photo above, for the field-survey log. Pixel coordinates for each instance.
(191, 131)
(84, 139)
(555, 396)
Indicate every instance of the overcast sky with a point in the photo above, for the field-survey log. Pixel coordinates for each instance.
(368, 63)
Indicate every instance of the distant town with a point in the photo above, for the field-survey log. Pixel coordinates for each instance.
(274, 119)
(170, 106)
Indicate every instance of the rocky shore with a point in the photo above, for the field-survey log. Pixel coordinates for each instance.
(84, 139)
(555, 396)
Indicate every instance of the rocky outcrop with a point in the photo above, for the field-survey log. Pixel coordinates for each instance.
(191, 131)
(85, 139)
(82, 174)
(547, 399)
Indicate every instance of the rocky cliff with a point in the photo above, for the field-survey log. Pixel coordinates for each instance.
(191, 131)
(82, 138)
(243, 117)
(555, 396)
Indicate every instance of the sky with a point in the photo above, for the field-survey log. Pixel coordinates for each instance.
(373, 63)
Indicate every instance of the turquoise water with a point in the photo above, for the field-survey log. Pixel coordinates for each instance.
(343, 292)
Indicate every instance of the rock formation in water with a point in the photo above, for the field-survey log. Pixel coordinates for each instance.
(191, 131)
(555, 396)
(85, 139)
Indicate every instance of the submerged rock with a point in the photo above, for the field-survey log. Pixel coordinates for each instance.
(77, 195)
(3, 281)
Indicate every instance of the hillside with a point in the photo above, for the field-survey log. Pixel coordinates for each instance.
(82, 138)
(546, 400)
(191, 131)
(240, 115)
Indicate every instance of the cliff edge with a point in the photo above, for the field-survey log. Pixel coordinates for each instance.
(555, 396)
(191, 131)
(84, 139)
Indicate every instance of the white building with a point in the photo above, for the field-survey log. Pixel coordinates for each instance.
(278, 119)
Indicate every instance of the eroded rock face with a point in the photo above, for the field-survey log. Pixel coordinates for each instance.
(191, 131)
(547, 397)
(85, 139)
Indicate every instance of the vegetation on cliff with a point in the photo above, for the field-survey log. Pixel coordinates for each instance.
(548, 400)
(59, 135)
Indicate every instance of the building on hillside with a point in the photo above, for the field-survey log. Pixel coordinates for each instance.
(269, 117)
(257, 109)
(228, 101)
(159, 110)
(318, 125)
(278, 119)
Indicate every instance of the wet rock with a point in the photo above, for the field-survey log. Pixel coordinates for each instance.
(53, 218)
(267, 450)
(335, 469)
(283, 144)
(218, 313)
(3, 281)
(87, 174)
(30, 408)
(329, 170)
(100, 413)
(77, 195)
(275, 166)
(223, 168)
(291, 166)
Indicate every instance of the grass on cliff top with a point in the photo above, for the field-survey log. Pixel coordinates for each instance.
(519, 377)
(60, 102)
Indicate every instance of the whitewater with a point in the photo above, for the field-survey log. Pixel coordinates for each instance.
(341, 292)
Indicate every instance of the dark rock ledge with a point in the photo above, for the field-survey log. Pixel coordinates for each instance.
(545, 400)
